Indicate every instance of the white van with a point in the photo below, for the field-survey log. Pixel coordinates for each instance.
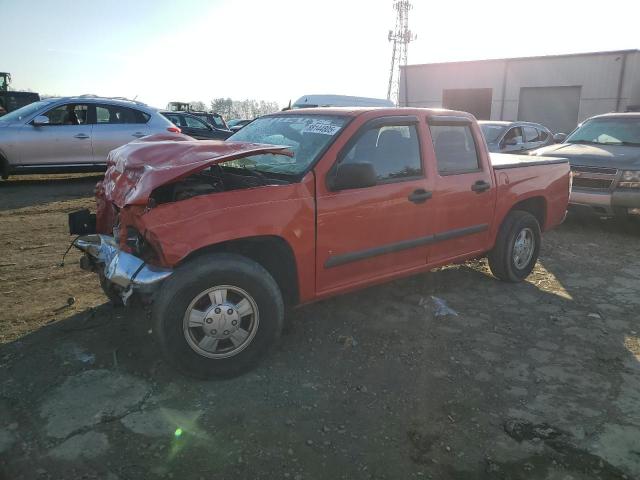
(310, 101)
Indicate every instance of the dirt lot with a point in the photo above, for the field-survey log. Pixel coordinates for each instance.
(537, 380)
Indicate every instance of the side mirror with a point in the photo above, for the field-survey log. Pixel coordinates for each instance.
(40, 120)
(353, 175)
(511, 142)
(559, 137)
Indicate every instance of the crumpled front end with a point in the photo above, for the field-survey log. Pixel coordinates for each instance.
(124, 272)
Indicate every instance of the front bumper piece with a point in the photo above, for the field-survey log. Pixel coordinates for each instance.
(126, 271)
(608, 203)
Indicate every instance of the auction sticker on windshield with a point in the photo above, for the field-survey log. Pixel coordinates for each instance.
(323, 127)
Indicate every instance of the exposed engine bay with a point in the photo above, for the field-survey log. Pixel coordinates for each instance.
(215, 179)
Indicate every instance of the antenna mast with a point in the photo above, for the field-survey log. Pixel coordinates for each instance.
(401, 37)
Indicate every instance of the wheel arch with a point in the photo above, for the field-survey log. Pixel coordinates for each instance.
(536, 206)
(272, 252)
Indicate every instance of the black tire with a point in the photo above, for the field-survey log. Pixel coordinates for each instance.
(501, 258)
(187, 283)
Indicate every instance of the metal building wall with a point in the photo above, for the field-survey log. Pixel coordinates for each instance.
(597, 74)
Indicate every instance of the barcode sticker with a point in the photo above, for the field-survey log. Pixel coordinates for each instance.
(324, 128)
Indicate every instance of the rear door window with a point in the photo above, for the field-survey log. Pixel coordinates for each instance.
(514, 134)
(455, 149)
(543, 135)
(531, 134)
(115, 114)
(175, 119)
(192, 122)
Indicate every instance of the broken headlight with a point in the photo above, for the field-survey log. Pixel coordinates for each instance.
(135, 241)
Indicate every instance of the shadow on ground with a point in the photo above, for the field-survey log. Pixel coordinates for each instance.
(539, 380)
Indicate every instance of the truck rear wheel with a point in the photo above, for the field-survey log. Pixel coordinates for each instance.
(217, 316)
(517, 247)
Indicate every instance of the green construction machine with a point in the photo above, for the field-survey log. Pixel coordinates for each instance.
(11, 100)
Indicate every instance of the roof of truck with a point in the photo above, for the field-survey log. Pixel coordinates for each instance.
(355, 111)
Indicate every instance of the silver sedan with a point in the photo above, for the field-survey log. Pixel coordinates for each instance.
(515, 137)
(72, 134)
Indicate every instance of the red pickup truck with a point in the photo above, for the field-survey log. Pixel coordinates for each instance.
(298, 206)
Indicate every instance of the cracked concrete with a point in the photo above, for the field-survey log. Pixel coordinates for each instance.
(161, 422)
(90, 398)
(82, 446)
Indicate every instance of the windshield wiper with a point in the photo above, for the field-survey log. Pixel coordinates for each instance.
(589, 142)
(630, 144)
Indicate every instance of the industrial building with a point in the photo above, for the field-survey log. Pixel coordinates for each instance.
(558, 91)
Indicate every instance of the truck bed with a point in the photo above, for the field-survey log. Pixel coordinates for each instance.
(508, 160)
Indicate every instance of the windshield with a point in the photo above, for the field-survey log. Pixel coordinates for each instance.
(492, 132)
(608, 131)
(24, 112)
(305, 135)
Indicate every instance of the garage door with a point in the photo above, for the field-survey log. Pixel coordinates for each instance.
(476, 101)
(555, 107)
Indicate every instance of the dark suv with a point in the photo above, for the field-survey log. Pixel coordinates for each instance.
(196, 127)
(604, 152)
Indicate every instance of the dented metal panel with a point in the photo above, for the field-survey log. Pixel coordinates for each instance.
(137, 168)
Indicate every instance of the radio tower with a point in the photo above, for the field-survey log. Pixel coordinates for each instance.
(400, 37)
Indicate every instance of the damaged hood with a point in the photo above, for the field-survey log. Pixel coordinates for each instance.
(137, 168)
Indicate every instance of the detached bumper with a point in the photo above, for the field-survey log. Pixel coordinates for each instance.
(128, 272)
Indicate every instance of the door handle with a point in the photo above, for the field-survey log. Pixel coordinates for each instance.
(480, 186)
(81, 136)
(420, 196)
(138, 134)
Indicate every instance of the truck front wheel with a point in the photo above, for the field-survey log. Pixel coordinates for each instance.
(217, 315)
(517, 247)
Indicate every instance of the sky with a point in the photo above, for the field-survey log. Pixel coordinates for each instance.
(278, 50)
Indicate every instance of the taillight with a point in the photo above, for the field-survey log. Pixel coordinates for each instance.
(174, 130)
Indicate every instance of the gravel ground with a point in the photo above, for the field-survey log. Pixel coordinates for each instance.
(449, 374)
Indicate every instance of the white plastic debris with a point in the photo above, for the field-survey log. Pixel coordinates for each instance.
(441, 309)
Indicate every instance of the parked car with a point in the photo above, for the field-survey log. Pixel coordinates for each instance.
(237, 124)
(72, 134)
(300, 206)
(195, 127)
(211, 118)
(312, 101)
(604, 152)
(515, 137)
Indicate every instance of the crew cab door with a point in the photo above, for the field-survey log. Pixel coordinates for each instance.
(464, 194)
(371, 232)
(116, 126)
(65, 140)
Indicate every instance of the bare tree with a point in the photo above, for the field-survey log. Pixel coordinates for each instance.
(198, 105)
(246, 109)
(222, 106)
